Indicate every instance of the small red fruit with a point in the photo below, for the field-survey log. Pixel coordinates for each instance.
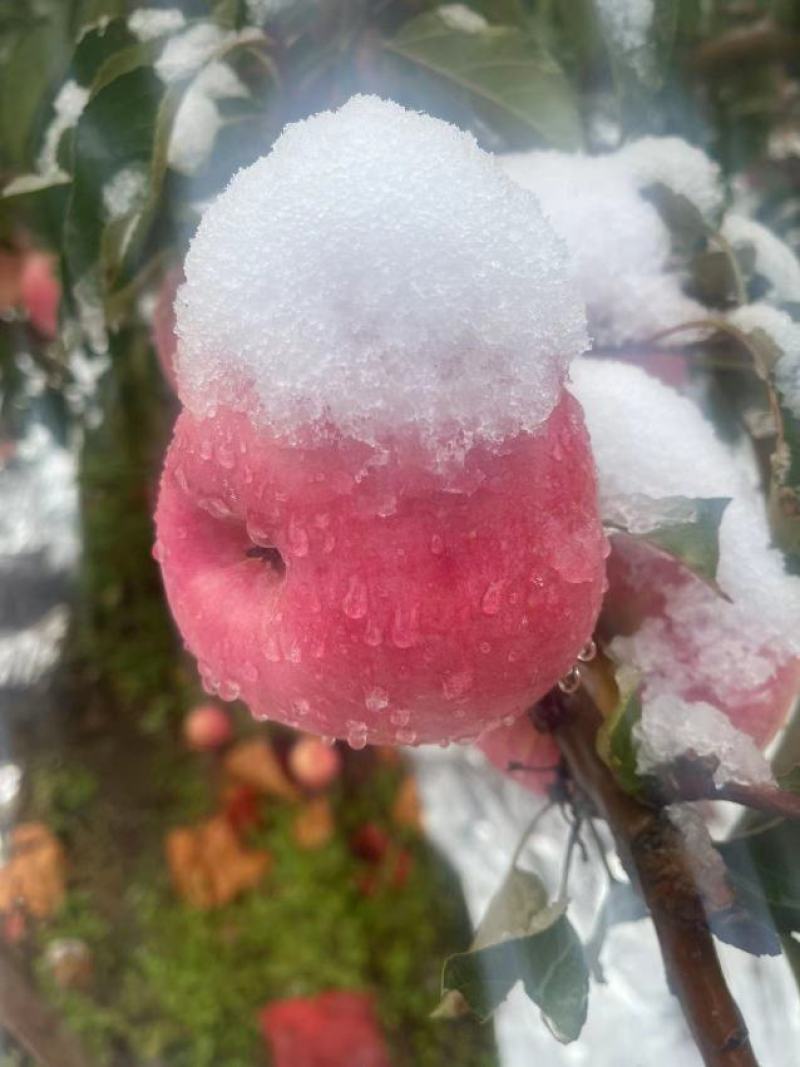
(313, 763)
(206, 728)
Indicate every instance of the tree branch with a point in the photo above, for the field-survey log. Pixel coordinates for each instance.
(654, 853)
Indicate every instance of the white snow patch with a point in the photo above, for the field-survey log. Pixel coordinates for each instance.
(671, 728)
(187, 52)
(619, 245)
(198, 120)
(648, 439)
(377, 270)
(124, 191)
(147, 23)
(774, 260)
(68, 106)
(627, 23)
(461, 17)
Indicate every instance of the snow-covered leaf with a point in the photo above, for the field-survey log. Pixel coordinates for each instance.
(686, 528)
(507, 77)
(684, 220)
(521, 938)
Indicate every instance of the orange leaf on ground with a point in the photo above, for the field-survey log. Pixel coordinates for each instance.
(208, 865)
(34, 876)
(256, 764)
(313, 825)
(406, 809)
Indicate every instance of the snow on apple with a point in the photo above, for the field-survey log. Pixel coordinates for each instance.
(739, 656)
(670, 728)
(378, 517)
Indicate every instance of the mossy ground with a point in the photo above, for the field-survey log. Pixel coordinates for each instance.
(172, 985)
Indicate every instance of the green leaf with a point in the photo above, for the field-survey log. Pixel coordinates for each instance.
(687, 227)
(790, 781)
(764, 867)
(506, 77)
(615, 743)
(524, 939)
(115, 132)
(685, 528)
(550, 964)
(784, 498)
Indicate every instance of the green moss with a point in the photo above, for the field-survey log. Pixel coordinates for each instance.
(186, 986)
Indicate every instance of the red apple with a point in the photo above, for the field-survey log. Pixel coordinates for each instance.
(521, 743)
(375, 600)
(207, 727)
(701, 657)
(313, 763)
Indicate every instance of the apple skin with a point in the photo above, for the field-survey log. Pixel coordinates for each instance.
(40, 292)
(314, 765)
(638, 577)
(401, 606)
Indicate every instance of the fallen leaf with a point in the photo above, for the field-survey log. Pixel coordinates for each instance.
(334, 1029)
(406, 808)
(34, 876)
(313, 825)
(208, 865)
(254, 763)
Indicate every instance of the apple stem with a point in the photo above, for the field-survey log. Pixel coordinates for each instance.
(654, 854)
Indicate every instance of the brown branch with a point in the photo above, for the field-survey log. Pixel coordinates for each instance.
(760, 41)
(653, 852)
(767, 798)
(31, 1023)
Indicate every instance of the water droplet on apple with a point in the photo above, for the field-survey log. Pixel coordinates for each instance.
(485, 647)
(301, 707)
(225, 457)
(437, 545)
(354, 604)
(298, 538)
(205, 448)
(228, 690)
(356, 734)
(157, 552)
(271, 650)
(406, 737)
(373, 635)
(455, 685)
(400, 717)
(404, 626)
(179, 474)
(376, 699)
(492, 598)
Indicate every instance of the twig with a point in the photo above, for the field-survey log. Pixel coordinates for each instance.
(32, 1024)
(653, 852)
